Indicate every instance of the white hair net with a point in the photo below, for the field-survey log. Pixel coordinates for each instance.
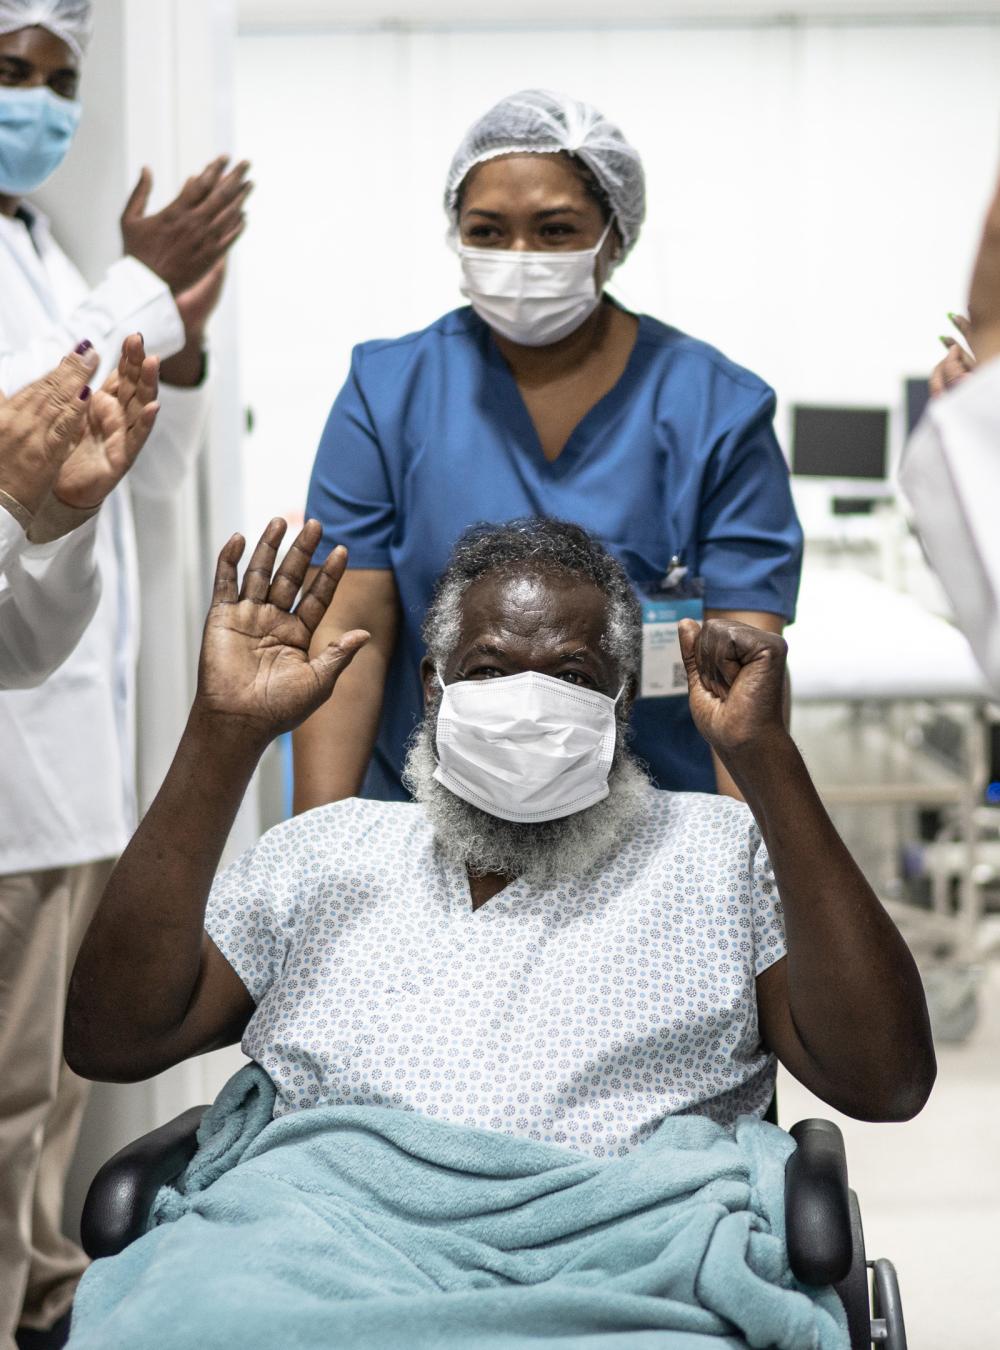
(541, 122)
(70, 20)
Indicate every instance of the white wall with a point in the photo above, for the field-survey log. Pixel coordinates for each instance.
(815, 193)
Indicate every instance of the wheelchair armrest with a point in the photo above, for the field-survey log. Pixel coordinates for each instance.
(817, 1209)
(121, 1196)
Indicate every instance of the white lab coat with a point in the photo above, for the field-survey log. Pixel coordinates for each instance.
(48, 595)
(67, 767)
(951, 474)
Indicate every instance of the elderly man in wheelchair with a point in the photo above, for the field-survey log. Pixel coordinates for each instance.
(513, 1041)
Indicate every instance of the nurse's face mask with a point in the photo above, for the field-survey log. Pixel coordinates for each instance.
(36, 130)
(531, 298)
(525, 747)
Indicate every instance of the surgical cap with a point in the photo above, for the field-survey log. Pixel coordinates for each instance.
(70, 20)
(540, 122)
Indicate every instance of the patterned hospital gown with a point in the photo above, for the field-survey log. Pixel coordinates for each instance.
(580, 1014)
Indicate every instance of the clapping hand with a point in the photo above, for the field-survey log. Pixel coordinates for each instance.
(192, 234)
(958, 363)
(981, 330)
(736, 683)
(197, 304)
(120, 416)
(255, 670)
(41, 424)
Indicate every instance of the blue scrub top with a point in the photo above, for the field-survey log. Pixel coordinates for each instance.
(430, 435)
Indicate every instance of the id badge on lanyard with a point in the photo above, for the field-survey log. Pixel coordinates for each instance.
(679, 596)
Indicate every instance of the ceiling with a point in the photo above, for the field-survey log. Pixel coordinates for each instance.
(292, 14)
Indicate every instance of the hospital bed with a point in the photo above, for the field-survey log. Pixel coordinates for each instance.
(871, 670)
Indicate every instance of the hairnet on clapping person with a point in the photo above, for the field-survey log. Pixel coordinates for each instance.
(70, 20)
(541, 122)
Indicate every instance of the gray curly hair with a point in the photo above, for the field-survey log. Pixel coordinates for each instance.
(540, 544)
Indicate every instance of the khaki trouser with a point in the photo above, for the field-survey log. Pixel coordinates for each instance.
(43, 917)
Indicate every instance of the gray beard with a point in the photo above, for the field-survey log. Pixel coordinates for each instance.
(542, 852)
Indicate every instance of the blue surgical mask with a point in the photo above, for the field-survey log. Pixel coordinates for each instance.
(36, 129)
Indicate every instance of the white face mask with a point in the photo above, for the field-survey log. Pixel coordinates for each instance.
(531, 298)
(525, 747)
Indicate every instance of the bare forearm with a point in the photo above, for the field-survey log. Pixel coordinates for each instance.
(332, 750)
(140, 962)
(854, 993)
(725, 784)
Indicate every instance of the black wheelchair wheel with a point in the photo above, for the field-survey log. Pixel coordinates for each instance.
(887, 1309)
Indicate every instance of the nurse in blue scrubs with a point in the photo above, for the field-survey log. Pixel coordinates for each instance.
(541, 397)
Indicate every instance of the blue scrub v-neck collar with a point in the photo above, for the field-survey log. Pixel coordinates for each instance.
(515, 413)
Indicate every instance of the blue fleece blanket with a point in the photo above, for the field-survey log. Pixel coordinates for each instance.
(385, 1230)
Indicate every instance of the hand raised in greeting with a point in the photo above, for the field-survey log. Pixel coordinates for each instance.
(255, 666)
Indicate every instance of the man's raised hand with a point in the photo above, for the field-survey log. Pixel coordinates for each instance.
(255, 670)
(736, 683)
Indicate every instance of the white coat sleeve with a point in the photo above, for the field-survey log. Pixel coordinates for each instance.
(130, 299)
(951, 474)
(174, 444)
(12, 539)
(48, 595)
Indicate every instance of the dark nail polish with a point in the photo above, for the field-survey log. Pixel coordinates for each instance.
(84, 346)
(85, 392)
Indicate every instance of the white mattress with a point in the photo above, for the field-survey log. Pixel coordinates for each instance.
(856, 638)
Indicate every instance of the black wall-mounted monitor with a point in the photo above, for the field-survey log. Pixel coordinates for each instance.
(840, 442)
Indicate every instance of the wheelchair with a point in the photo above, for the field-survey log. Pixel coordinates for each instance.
(825, 1240)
